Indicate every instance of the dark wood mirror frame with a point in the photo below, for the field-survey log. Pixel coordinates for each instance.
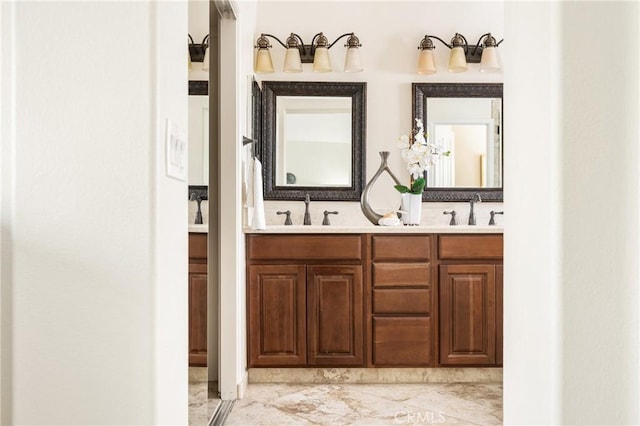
(357, 92)
(420, 93)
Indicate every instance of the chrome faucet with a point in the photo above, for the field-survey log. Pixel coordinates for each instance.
(472, 216)
(307, 216)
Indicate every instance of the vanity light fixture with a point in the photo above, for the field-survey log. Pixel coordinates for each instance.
(299, 53)
(199, 52)
(483, 52)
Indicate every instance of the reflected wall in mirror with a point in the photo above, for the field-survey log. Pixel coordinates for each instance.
(198, 133)
(465, 119)
(313, 140)
(308, 154)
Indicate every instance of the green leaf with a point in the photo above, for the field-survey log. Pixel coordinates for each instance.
(418, 186)
(401, 189)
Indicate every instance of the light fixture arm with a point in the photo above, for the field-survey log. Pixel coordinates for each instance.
(336, 40)
(440, 40)
(273, 37)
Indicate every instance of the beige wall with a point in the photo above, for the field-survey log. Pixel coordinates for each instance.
(94, 244)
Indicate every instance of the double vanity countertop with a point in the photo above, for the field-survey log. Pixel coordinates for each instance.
(364, 229)
(370, 229)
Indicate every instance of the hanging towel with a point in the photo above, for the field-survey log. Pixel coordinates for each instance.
(247, 172)
(259, 221)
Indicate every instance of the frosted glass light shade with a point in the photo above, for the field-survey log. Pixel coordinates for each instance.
(321, 60)
(205, 62)
(457, 61)
(352, 62)
(489, 61)
(292, 62)
(426, 62)
(264, 64)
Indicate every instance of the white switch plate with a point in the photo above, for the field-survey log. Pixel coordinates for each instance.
(176, 151)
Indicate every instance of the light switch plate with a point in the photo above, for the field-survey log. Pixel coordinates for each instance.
(176, 151)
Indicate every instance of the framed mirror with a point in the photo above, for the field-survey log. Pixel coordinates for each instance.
(466, 120)
(313, 140)
(198, 138)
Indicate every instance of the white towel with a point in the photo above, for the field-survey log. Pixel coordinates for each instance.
(247, 173)
(259, 221)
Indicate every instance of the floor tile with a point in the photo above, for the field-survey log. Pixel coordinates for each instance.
(379, 404)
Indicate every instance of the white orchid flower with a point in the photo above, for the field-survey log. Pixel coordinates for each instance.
(403, 141)
(415, 170)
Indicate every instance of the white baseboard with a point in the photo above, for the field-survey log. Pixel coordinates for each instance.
(242, 386)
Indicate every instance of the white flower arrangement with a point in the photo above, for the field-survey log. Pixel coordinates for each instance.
(420, 155)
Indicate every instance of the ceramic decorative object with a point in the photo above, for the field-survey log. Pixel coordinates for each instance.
(369, 213)
(412, 208)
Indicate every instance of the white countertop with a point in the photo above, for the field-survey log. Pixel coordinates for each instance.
(202, 228)
(429, 229)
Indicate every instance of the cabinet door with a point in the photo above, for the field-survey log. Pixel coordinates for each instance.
(198, 319)
(499, 313)
(334, 315)
(276, 313)
(467, 315)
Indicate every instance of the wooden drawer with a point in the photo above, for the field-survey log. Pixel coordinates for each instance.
(402, 341)
(401, 274)
(401, 247)
(401, 301)
(197, 245)
(470, 247)
(305, 247)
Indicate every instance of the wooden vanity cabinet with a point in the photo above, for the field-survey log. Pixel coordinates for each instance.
(412, 300)
(470, 299)
(197, 299)
(401, 300)
(305, 300)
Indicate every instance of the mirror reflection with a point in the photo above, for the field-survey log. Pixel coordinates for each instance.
(198, 140)
(198, 133)
(313, 141)
(467, 120)
(470, 129)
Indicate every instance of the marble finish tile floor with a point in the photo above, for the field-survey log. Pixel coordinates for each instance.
(369, 404)
(203, 398)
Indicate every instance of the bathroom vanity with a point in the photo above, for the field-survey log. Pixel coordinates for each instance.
(198, 298)
(374, 297)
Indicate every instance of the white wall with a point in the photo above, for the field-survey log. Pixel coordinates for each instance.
(571, 254)
(390, 32)
(601, 135)
(93, 234)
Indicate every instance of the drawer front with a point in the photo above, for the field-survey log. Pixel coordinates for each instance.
(470, 247)
(197, 246)
(402, 341)
(305, 247)
(401, 274)
(401, 247)
(405, 301)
